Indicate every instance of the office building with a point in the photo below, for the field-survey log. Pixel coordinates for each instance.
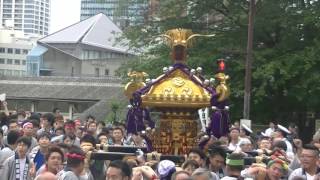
(29, 16)
(122, 13)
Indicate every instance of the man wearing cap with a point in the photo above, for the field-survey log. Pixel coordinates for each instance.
(234, 166)
(280, 134)
(245, 131)
(309, 163)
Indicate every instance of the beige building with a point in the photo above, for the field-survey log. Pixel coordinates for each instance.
(88, 48)
(14, 47)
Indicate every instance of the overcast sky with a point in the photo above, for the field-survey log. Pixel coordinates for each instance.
(64, 13)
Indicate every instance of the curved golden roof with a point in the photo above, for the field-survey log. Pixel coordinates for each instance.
(177, 90)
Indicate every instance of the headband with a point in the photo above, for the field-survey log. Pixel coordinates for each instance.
(27, 124)
(235, 162)
(283, 164)
(69, 126)
(75, 156)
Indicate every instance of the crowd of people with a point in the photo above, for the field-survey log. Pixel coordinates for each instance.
(49, 147)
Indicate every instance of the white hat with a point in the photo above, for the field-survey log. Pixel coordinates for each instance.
(264, 134)
(246, 128)
(244, 141)
(283, 129)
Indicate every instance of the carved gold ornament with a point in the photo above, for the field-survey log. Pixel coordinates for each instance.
(136, 82)
(178, 81)
(183, 37)
(222, 89)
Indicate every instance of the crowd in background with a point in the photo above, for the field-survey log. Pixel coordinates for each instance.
(48, 146)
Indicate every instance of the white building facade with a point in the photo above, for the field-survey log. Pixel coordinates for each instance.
(29, 16)
(14, 47)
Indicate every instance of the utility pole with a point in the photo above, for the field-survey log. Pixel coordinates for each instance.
(249, 57)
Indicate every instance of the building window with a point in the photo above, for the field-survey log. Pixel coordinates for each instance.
(10, 51)
(15, 72)
(2, 61)
(106, 72)
(8, 72)
(2, 50)
(9, 61)
(17, 62)
(25, 51)
(96, 72)
(17, 51)
(23, 62)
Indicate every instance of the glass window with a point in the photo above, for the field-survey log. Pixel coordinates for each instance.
(96, 72)
(2, 71)
(17, 62)
(106, 72)
(2, 50)
(9, 61)
(18, 11)
(18, 6)
(7, 11)
(8, 72)
(23, 62)
(28, 16)
(7, 16)
(29, 26)
(29, 6)
(29, 11)
(10, 51)
(17, 51)
(7, 1)
(25, 51)
(16, 73)
(28, 21)
(18, 15)
(2, 61)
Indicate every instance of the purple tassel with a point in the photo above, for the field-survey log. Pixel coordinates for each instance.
(130, 121)
(148, 143)
(219, 125)
(147, 118)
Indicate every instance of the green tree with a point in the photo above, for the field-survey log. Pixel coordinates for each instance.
(286, 45)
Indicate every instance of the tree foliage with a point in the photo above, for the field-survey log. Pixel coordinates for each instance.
(286, 66)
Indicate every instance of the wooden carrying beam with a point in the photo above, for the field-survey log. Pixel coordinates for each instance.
(150, 156)
(123, 149)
